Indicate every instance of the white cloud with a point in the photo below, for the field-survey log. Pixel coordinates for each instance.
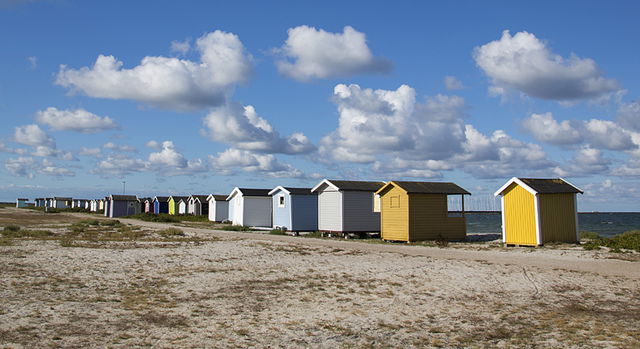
(164, 82)
(452, 83)
(377, 122)
(312, 53)
(33, 135)
(243, 128)
(33, 62)
(629, 115)
(546, 129)
(586, 161)
(119, 148)
(231, 159)
(524, 63)
(119, 165)
(94, 152)
(78, 120)
(153, 144)
(50, 169)
(5, 149)
(167, 157)
(608, 135)
(629, 169)
(181, 47)
(21, 166)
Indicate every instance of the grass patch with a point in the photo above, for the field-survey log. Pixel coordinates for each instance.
(626, 241)
(191, 218)
(236, 228)
(150, 217)
(277, 232)
(11, 228)
(589, 235)
(171, 232)
(27, 233)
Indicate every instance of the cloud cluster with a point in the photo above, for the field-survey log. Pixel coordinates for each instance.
(78, 120)
(28, 167)
(524, 63)
(165, 82)
(243, 128)
(312, 53)
(229, 160)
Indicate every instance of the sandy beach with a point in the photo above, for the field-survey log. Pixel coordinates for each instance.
(214, 288)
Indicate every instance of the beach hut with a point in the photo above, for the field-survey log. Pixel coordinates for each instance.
(93, 205)
(250, 207)
(198, 205)
(218, 208)
(347, 206)
(101, 204)
(21, 202)
(294, 209)
(147, 205)
(39, 202)
(61, 202)
(183, 205)
(160, 204)
(539, 210)
(173, 203)
(48, 202)
(414, 211)
(122, 205)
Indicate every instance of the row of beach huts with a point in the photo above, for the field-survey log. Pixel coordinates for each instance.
(534, 210)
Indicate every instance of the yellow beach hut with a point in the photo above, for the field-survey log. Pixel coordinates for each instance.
(173, 203)
(539, 210)
(413, 211)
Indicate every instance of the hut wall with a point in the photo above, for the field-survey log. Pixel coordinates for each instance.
(218, 210)
(519, 219)
(282, 214)
(429, 220)
(557, 217)
(257, 211)
(182, 207)
(358, 215)
(394, 215)
(172, 207)
(304, 212)
(330, 210)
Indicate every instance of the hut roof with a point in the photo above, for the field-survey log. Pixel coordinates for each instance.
(427, 187)
(542, 186)
(291, 190)
(177, 198)
(350, 185)
(161, 198)
(61, 198)
(201, 198)
(217, 197)
(124, 197)
(248, 192)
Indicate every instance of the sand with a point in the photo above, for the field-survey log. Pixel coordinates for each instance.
(229, 289)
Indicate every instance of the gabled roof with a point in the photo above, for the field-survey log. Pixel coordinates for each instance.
(177, 198)
(248, 192)
(426, 187)
(124, 197)
(62, 198)
(541, 186)
(161, 198)
(217, 197)
(292, 191)
(201, 198)
(349, 185)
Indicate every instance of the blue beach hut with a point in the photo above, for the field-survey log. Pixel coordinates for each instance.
(294, 209)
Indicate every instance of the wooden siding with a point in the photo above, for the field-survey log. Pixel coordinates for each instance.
(557, 217)
(218, 210)
(257, 211)
(304, 212)
(281, 215)
(429, 220)
(520, 221)
(172, 207)
(330, 210)
(394, 216)
(358, 215)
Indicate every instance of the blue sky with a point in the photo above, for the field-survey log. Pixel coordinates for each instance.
(199, 97)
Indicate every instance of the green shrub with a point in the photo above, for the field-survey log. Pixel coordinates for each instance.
(278, 232)
(11, 228)
(626, 241)
(589, 235)
(171, 232)
(150, 217)
(110, 223)
(90, 222)
(236, 228)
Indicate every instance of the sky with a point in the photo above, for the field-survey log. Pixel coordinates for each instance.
(194, 97)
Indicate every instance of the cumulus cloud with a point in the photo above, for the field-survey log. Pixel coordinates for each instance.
(33, 62)
(629, 116)
(629, 169)
(32, 135)
(78, 120)
(243, 128)
(116, 164)
(181, 47)
(524, 63)
(168, 83)
(312, 53)
(28, 167)
(153, 144)
(452, 83)
(374, 122)
(93, 152)
(231, 159)
(119, 148)
(609, 135)
(586, 161)
(6, 149)
(546, 129)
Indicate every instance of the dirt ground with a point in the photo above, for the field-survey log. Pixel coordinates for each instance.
(137, 284)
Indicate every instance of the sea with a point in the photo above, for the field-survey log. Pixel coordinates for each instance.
(604, 223)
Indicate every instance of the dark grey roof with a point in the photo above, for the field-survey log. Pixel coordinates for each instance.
(254, 192)
(178, 198)
(356, 185)
(431, 187)
(299, 191)
(161, 198)
(219, 197)
(550, 185)
(124, 197)
(61, 198)
(202, 198)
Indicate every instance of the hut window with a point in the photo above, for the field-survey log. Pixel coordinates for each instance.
(281, 201)
(394, 201)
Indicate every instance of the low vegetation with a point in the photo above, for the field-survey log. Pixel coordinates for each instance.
(150, 217)
(236, 228)
(623, 242)
(278, 232)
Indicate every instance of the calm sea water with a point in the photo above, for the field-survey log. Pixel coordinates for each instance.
(603, 223)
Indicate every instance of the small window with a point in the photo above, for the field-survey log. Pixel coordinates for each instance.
(394, 201)
(281, 201)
